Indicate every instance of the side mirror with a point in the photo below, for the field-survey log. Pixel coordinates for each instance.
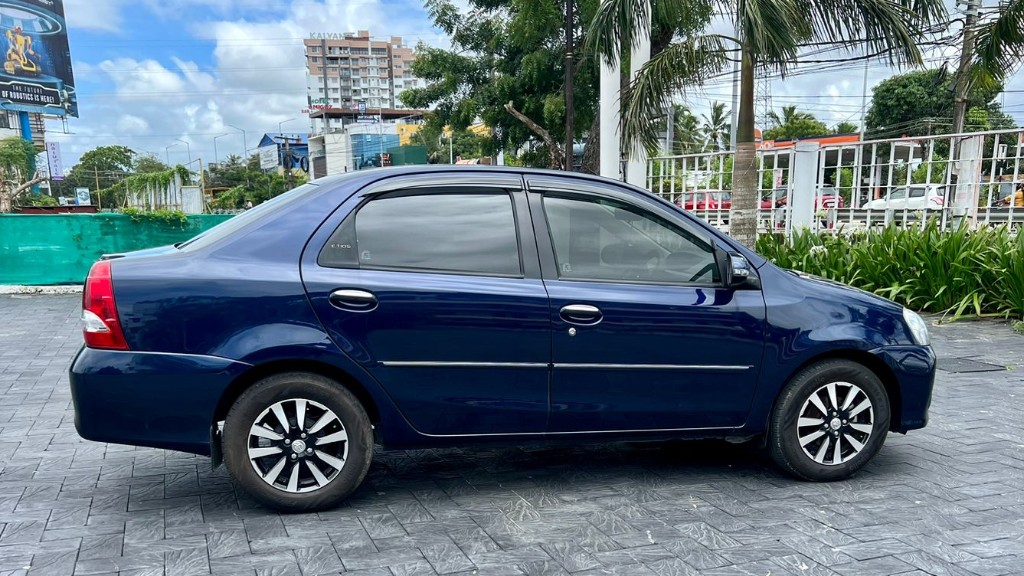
(733, 269)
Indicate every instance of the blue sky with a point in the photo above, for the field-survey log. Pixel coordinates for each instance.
(151, 72)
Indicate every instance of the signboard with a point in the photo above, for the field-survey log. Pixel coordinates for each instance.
(362, 107)
(36, 74)
(365, 119)
(268, 157)
(53, 157)
(82, 197)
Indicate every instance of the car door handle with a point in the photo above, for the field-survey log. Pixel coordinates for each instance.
(583, 314)
(353, 300)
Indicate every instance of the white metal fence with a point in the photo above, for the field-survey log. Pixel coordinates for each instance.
(904, 182)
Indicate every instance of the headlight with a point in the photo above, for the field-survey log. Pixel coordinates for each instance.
(918, 327)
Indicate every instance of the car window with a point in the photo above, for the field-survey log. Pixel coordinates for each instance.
(917, 192)
(898, 194)
(605, 240)
(228, 227)
(466, 233)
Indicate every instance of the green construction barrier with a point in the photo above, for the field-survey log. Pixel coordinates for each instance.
(37, 250)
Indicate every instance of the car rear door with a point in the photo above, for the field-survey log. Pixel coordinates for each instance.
(643, 336)
(435, 289)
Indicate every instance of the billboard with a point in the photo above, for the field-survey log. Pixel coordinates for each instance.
(268, 157)
(36, 73)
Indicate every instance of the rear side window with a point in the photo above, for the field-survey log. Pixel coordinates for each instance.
(464, 233)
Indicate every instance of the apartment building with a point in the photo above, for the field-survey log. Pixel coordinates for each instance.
(354, 71)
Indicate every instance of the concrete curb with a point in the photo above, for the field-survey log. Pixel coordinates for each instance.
(70, 289)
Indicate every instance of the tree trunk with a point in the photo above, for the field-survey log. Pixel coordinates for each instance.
(745, 201)
(557, 158)
(7, 197)
(592, 151)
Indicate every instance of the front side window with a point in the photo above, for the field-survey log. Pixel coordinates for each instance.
(465, 233)
(605, 240)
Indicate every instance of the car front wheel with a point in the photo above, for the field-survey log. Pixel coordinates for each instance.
(829, 421)
(298, 442)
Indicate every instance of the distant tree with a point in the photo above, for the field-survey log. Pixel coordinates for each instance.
(687, 135)
(794, 124)
(17, 174)
(845, 128)
(100, 170)
(716, 127)
(921, 103)
(149, 164)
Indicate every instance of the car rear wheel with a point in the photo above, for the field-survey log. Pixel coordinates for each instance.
(298, 442)
(829, 421)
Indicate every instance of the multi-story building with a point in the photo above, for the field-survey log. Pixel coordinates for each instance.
(355, 72)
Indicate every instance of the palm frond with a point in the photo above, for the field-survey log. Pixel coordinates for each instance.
(889, 28)
(773, 29)
(683, 63)
(999, 44)
(616, 24)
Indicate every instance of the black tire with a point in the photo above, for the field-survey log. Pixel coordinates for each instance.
(784, 436)
(321, 394)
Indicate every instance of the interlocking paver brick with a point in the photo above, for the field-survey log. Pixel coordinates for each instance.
(948, 499)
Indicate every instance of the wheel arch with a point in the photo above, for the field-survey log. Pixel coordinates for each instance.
(877, 366)
(250, 377)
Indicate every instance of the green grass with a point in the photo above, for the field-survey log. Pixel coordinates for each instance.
(957, 273)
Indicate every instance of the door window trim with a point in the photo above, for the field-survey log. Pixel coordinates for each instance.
(481, 189)
(545, 244)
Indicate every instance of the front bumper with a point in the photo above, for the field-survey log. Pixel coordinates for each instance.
(914, 368)
(149, 399)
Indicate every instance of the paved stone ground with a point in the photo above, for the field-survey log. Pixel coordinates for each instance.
(944, 500)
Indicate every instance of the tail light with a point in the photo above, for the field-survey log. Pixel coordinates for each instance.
(99, 312)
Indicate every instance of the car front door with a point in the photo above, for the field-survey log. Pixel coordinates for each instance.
(428, 289)
(644, 335)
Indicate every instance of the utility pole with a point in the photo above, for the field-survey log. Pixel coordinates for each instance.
(963, 70)
(289, 177)
(96, 174)
(569, 72)
(961, 86)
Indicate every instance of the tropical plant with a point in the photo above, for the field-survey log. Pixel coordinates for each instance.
(999, 44)
(687, 136)
(771, 33)
(716, 127)
(17, 168)
(845, 127)
(959, 272)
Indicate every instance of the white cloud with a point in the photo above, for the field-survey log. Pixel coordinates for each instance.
(101, 15)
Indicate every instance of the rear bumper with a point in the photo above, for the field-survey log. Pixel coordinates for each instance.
(914, 367)
(149, 399)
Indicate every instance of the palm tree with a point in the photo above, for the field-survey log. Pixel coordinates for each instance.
(771, 33)
(687, 133)
(999, 44)
(789, 114)
(716, 126)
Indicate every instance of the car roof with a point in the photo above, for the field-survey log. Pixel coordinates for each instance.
(416, 169)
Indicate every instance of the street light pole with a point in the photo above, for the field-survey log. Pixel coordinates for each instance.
(187, 147)
(287, 155)
(216, 158)
(245, 146)
(167, 152)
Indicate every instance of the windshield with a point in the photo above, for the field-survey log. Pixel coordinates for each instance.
(235, 223)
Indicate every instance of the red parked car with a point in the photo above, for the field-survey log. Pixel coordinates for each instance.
(697, 201)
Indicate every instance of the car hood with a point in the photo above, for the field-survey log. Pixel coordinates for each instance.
(848, 291)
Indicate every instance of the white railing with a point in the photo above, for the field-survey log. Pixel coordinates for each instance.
(903, 181)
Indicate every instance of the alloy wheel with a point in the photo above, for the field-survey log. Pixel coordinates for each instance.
(835, 423)
(298, 445)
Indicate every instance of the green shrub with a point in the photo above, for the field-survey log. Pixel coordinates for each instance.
(169, 217)
(959, 272)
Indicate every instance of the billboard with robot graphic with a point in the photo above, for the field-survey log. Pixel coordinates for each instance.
(36, 74)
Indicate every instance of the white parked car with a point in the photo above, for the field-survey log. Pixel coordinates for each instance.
(920, 197)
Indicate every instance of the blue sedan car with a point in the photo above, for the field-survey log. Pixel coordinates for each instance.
(417, 307)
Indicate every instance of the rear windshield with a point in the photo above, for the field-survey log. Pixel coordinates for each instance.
(230, 226)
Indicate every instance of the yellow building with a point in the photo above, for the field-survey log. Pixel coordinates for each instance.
(406, 132)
